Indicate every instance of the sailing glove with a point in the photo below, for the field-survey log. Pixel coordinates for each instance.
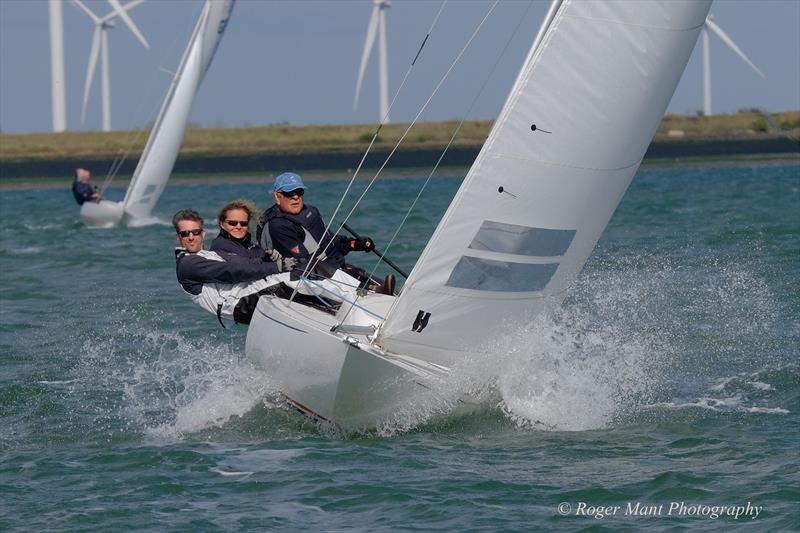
(286, 264)
(362, 244)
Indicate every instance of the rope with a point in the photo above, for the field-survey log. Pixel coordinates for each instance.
(416, 119)
(312, 264)
(453, 137)
(450, 142)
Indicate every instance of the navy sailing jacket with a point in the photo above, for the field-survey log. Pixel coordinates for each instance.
(195, 270)
(225, 243)
(82, 191)
(286, 232)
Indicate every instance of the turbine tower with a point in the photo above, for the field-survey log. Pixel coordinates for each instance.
(57, 78)
(377, 23)
(100, 47)
(711, 25)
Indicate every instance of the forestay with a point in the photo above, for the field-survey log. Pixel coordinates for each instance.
(559, 158)
(158, 158)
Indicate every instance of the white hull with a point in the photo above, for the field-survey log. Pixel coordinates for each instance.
(103, 214)
(336, 377)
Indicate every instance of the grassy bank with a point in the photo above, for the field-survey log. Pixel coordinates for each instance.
(299, 140)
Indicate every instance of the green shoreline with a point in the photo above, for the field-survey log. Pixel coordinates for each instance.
(10, 184)
(48, 158)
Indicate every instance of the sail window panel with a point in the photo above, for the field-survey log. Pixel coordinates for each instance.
(500, 276)
(521, 240)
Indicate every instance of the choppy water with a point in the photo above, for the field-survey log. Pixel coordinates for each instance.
(670, 375)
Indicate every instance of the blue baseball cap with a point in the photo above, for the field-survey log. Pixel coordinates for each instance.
(287, 182)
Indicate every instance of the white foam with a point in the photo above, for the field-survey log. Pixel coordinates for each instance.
(39, 227)
(171, 385)
(26, 250)
(569, 374)
(555, 373)
(147, 221)
(760, 385)
(732, 404)
(768, 410)
(228, 473)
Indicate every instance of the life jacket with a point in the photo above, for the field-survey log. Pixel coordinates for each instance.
(310, 230)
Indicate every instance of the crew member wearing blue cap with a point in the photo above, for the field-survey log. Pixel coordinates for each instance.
(297, 230)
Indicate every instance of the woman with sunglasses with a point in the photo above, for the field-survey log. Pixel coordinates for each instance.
(234, 237)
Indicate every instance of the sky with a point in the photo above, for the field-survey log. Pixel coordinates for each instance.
(297, 62)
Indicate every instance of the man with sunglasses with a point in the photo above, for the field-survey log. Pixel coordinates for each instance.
(297, 230)
(228, 287)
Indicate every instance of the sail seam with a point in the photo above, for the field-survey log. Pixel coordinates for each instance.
(628, 24)
(564, 165)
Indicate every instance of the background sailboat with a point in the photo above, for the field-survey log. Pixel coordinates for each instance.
(566, 145)
(158, 158)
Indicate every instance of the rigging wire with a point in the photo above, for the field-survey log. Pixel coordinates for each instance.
(411, 125)
(454, 135)
(312, 264)
(450, 142)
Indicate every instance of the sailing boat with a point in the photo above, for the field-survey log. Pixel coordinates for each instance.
(566, 145)
(161, 150)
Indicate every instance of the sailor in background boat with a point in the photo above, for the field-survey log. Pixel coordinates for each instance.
(228, 287)
(82, 188)
(297, 230)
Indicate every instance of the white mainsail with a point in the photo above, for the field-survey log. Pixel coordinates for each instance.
(558, 160)
(158, 158)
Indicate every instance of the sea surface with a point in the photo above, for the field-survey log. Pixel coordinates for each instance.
(664, 394)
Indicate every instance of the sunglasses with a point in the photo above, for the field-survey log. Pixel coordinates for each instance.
(185, 233)
(292, 194)
(234, 223)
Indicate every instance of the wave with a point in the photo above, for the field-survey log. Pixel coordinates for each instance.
(172, 384)
(641, 334)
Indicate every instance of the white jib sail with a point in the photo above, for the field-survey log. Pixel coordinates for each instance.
(558, 160)
(158, 158)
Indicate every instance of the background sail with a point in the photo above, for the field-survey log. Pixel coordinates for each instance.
(158, 158)
(559, 158)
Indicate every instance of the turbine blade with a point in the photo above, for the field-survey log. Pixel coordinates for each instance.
(727, 40)
(86, 11)
(123, 14)
(127, 7)
(371, 32)
(95, 51)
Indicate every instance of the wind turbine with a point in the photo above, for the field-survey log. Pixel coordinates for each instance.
(100, 47)
(377, 23)
(58, 84)
(711, 25)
